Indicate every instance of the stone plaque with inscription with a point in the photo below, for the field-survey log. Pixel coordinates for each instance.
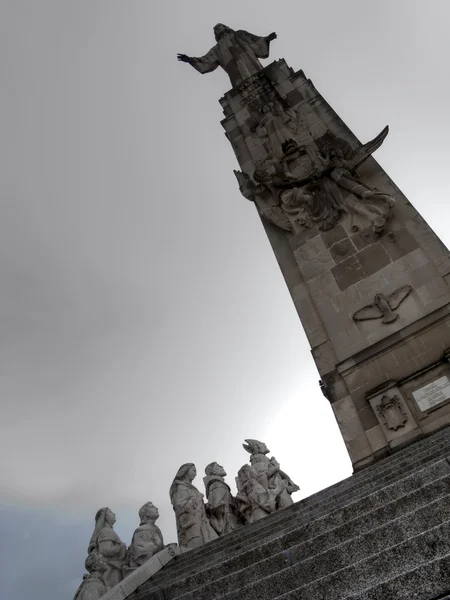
(432, 394)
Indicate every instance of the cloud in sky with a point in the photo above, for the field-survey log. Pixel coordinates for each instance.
(144, 320)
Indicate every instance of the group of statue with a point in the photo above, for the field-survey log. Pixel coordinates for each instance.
(262, 488)
(109, 560)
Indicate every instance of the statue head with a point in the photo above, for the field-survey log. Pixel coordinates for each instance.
(256, 447)
(95, 562)
(186, 472)
(103, 518)
(220, 30)
(246, 473)
(215, 469)
(148, 512)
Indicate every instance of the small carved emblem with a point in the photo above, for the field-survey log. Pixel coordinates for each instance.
(383, 306)
(392, 412)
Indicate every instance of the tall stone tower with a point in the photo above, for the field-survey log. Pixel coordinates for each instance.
(367, 275)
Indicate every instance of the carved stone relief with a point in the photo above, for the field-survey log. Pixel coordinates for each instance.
(383, 306)
(317, 182)
(392, 412)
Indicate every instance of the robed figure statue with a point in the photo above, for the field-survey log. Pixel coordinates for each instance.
(237, 52)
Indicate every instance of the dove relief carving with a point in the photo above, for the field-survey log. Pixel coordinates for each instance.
(383, 306)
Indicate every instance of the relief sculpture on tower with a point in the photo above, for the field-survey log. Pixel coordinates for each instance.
(311, 186)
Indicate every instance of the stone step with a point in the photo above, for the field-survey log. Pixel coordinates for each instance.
(298, 528)
(415, 552)
(386, 526)
(430, 581)
(314, 559)
(292, 517)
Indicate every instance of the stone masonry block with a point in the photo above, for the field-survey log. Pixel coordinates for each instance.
(325, 358)
(367, 417)
(372, 285)
(351, 429)
(409, 350)
(364, 238)
(397, 273)
(313, 258)
(437, 337)
(399, 244)
(432, 290)
(323, 285)
(293, 98)
(334, 235)
(293, 278)
(285, 259)
(348, 272)
(347, 300)
(359, 448)
(373, 258)
(419, 277)
(308, 315)
(376, 437)
(342, 250)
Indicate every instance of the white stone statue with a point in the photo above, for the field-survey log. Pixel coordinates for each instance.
(270, 475)
(93, 585)
(193, 526)
(255, 500)
(106, 541)
(221, 506)
(147, 539)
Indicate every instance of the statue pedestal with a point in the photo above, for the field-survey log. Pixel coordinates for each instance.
(367, 275)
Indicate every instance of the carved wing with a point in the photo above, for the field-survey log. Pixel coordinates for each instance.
(397, 297)
(363, 152)
(368, 312)
(246, 185)
(277, 216)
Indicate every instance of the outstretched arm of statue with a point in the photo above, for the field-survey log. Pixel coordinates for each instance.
(272, 36)
(183, 57)
(202, 64)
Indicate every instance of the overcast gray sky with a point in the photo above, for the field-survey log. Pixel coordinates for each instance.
(144, 322)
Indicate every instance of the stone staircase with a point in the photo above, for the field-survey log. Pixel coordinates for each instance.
(383, 533)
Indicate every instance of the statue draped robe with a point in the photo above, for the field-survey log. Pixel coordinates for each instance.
(237, 53)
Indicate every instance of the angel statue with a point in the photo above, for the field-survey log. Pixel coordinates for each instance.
(237, 52)
(370, 204)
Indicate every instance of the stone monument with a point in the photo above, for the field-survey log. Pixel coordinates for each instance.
(367, 275)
